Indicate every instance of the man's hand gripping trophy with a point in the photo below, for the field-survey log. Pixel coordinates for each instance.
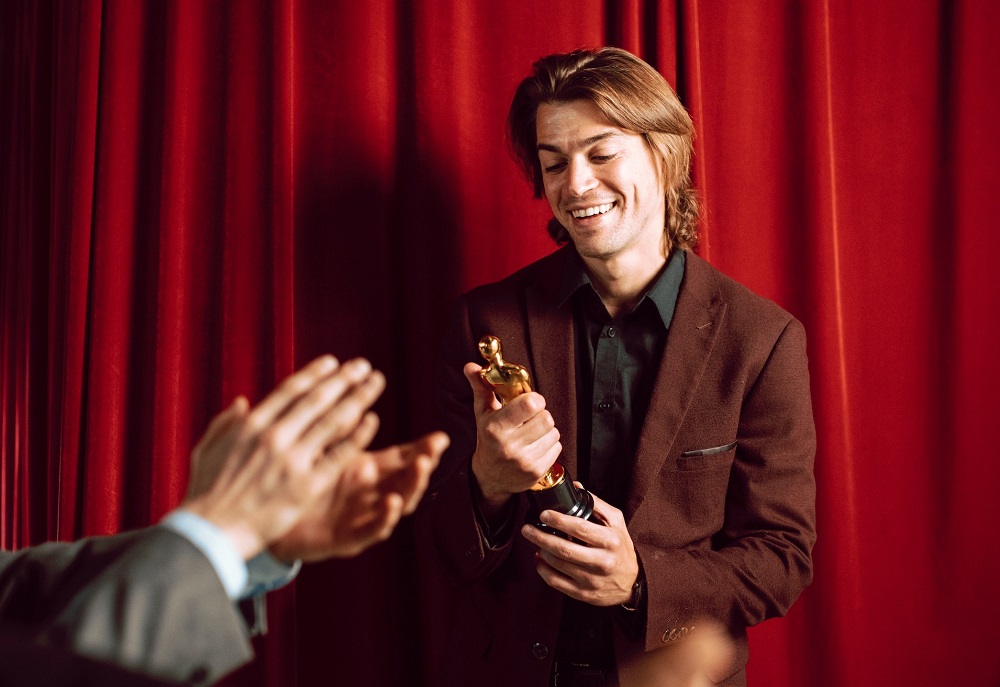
(555, 490)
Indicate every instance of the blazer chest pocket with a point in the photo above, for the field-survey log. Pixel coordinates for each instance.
(695, 491)
(702, 458)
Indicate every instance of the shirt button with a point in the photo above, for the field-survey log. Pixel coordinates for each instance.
(611, 332)
(539, 650)
(604, 405)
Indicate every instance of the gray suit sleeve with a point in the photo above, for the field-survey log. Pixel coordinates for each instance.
(147, 600)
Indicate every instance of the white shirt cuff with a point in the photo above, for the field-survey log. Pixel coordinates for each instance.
(217, 547)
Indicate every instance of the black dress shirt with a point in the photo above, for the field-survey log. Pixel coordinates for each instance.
(616, 365)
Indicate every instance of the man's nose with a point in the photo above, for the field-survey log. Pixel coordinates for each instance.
(581, 178)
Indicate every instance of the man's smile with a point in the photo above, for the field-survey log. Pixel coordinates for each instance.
(591, 210)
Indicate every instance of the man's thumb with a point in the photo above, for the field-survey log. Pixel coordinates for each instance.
(485, 399)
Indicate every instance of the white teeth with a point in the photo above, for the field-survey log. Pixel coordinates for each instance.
(591, 211)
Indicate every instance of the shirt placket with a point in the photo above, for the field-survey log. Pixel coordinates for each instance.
(606, 403)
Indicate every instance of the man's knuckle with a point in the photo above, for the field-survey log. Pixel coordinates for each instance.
(607, 564)
(254, 423)
(324, 394)
(297, 384)
(273, 440)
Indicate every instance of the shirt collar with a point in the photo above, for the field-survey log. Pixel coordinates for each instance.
(662, 292)
(667, 286)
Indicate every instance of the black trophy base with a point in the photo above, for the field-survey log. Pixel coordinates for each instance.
(563, 497)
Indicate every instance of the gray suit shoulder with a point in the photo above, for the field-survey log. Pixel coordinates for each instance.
(146, 600)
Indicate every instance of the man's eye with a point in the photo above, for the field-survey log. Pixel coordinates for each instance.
(602, 158)
(554, 168)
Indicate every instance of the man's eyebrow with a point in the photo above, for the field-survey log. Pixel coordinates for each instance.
(585, 143)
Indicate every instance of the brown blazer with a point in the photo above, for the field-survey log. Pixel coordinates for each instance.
(722, 531)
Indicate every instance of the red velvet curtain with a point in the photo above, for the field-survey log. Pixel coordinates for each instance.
(198, 197)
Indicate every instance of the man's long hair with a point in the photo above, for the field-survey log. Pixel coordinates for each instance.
(633, 96)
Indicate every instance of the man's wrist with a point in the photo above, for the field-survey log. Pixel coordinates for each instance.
(490, 504)
(244, 538)
(638, 596)
(214, 543)
(496, 523)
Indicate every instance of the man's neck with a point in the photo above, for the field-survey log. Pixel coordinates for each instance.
(622, 280)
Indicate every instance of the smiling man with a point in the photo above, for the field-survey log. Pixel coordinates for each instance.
(679, 398)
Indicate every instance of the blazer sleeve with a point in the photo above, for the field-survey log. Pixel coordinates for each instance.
(147, 600)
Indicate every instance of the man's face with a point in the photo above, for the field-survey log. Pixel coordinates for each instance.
(602, 182)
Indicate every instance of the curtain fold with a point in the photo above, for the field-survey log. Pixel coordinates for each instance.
(198, 197)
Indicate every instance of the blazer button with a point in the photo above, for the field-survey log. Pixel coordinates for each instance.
(539, 651)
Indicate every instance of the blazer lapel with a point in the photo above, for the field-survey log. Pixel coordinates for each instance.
(553, 358)
(693, 331)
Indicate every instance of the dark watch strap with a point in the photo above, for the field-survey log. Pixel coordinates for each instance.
(638, 594)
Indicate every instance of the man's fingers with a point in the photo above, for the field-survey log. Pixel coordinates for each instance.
(223, 421)
(212, 453)
(555, 545)
(392, 459)
(332, 408)
(419, 477)
(516, 412)
(345, 463)
(429, 448)
(218, 429)
(567, 570)
(348, 447)
(406, 469)
(530, 426)
(605, 511)
(276, 402)
(391, 514)
(552, 450)
(525, 409)
(554, 577)
(484, 397)
(363, 473)
(377, 526)
(596, 538)
(434, 444)
(331, 411)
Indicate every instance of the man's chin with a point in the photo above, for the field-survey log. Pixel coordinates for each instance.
(592, 247)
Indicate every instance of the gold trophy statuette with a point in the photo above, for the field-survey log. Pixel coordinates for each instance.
(555, 490)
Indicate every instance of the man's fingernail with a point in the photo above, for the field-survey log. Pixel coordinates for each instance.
(360, 367)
